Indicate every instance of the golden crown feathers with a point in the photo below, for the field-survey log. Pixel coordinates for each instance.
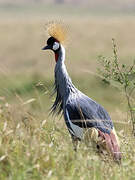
(58, 31)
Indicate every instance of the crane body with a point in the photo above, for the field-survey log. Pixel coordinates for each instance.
(80, 112)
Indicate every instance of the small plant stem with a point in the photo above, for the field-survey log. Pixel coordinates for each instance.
(116, 58)
(130, 109)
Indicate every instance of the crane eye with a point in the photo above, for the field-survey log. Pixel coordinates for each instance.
(56, 46)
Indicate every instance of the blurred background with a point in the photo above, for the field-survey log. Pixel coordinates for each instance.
(34, 145)
(27, 73)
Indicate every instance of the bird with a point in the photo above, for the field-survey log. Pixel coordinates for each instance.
(81, 113)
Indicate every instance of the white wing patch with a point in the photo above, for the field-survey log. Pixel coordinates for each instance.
(56, 46)
(76, 130)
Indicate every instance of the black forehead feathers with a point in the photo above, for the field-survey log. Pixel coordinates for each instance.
(51, 40)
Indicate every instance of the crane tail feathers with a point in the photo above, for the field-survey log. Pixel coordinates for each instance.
(111, 144)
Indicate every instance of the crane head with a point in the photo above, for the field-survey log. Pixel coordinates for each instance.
(58, 35)
(52, 44)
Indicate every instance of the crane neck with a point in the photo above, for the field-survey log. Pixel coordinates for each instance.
(60, 54)
(63, 82)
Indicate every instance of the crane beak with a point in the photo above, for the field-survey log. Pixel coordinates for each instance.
(46, 47)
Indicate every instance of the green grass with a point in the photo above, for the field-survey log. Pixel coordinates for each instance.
(34, 145)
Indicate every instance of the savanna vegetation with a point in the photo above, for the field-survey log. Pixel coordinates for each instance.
(34, 145)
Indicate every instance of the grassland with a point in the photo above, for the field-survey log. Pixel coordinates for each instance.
(32, 144)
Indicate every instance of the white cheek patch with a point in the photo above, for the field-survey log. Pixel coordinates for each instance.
(56, 46)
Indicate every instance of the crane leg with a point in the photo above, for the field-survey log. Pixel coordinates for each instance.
(75, 142)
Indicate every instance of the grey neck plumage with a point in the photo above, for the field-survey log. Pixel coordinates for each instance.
(63, 83)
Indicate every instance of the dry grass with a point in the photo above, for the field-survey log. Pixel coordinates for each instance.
(32, 147)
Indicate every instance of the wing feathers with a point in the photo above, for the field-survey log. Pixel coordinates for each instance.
(86, 113)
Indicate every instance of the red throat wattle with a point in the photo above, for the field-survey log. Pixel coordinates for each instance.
(56, 57)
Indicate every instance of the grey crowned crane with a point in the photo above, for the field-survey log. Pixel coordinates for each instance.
(81, 113)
